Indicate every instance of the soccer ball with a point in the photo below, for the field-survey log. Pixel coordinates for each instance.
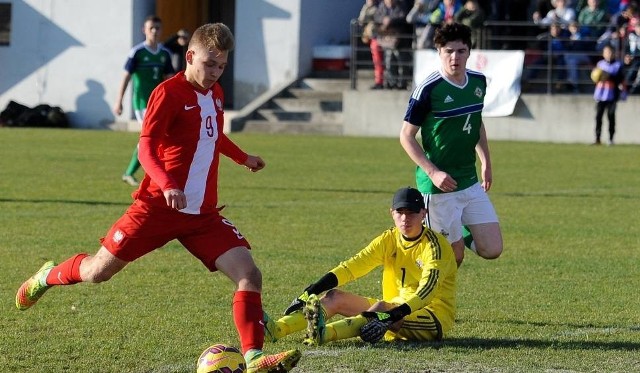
(597, 75)
(221, 358)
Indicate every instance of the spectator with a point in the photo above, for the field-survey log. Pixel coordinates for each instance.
(419, 16)
(366, 19)
(591, 19)
(608, 78)
(394, 39)
(178, 45)
(473, 16)
(626, 16)
(561, 13)
(576, 55)
(542, 8)
(600, 4)
(616, 37)
(552, 45)
(443, 12)
(632, 60)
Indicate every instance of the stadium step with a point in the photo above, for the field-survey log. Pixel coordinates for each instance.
(310, 105)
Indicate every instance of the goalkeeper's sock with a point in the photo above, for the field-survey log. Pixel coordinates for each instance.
(468, 239)
(346, 328)
(134, 163)
(290, 324)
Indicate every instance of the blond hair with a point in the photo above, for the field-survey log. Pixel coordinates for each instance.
(213, 36)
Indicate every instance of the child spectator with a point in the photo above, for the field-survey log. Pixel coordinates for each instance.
(608, 78)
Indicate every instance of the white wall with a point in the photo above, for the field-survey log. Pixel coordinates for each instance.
(267, 39)
(275, 40)
(68, 53)
(71, 53)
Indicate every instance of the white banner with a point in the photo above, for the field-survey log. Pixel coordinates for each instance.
(503, 70)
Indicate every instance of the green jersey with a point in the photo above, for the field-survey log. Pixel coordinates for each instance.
(147, 68)
(449, 117)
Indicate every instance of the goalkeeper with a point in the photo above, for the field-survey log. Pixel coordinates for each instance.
(418, 287)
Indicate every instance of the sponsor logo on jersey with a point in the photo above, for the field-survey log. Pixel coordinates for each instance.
(448, 99)
(478, 92)
(189, 107)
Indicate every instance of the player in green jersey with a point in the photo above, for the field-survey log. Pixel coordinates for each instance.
(446, 108)
(418, 287)
(148, 64)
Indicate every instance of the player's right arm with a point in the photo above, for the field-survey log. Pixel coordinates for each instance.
(117, 107)
(410, 144)
(156, 121)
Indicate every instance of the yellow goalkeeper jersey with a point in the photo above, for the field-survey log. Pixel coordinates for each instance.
(421, 273)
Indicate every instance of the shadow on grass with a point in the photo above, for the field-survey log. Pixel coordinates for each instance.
(64, 201)
(565, 194)
(502, 343)
(516, 344)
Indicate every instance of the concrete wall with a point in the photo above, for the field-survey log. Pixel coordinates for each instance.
(275, 40)
(71, 53)
(545, 118)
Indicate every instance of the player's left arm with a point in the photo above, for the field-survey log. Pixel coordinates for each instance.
(482, 149)
(252, 162)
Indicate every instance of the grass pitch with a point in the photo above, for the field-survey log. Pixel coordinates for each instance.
(562, 298)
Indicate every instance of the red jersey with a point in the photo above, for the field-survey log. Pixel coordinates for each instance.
(181, 142)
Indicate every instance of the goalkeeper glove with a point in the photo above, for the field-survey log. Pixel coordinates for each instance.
(378, 324)
(326, 282)
(297, 303)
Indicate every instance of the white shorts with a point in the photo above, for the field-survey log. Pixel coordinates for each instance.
(140, 114)
(448, 212)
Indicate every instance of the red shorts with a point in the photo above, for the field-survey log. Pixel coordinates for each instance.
(144, 228)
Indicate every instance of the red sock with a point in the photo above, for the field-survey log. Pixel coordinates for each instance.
(67, 272)
(247, 315)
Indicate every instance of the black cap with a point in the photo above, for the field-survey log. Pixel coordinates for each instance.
(408, 198)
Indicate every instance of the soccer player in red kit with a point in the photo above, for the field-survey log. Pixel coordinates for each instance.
(180, 145)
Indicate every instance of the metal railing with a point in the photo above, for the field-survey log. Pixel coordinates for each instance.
(543, 71)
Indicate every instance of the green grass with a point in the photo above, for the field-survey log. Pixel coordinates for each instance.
(562, 298)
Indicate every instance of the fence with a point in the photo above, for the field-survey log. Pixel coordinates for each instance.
(545, 69)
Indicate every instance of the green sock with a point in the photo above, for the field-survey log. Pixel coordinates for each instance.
(252, 354)
(290, 324)
(468, 238)
(134, 163)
